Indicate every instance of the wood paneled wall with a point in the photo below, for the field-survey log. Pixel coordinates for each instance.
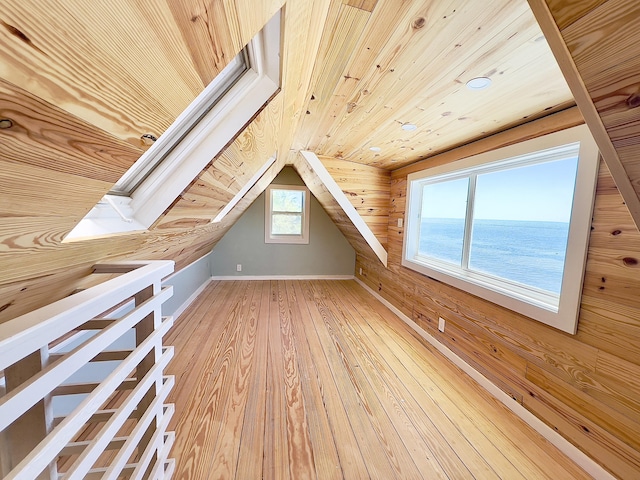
(596, 45)
(584, 386)
(367, 188)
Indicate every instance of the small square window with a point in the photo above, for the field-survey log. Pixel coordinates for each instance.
(286, 214)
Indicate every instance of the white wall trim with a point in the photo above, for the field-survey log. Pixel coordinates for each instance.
(337, 193)
(571, 451)
(283, 277)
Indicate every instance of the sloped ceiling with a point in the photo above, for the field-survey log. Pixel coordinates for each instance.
(597, 45)
(81, 83)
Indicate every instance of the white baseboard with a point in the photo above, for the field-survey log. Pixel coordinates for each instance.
(571, 451)
(283, 277)
(180, 310)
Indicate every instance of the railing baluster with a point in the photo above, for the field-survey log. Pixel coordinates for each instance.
(79, 331)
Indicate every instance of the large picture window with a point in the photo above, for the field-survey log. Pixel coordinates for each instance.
(510, 226)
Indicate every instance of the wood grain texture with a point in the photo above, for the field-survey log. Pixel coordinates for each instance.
(367, 5)
(225, 176)
(125, 69)
(367, 188)
(45, 136)
(568, 381)
(300, 43)
(395, 75)
(322, 381)
(331, 206)
(597, 52)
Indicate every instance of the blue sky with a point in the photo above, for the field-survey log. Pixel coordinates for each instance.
(542, 192)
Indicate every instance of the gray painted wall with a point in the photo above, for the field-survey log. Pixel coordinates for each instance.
(185, 283)
(328, 252)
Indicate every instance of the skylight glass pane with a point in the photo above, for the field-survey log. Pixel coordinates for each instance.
(286, 224)
(287, 200)
(521, 223)
(443, 212)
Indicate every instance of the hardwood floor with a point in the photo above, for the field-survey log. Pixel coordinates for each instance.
(316, 379)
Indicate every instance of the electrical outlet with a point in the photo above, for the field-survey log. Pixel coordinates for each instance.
(400, 223)
(441, 324)
(239, 267)
(360, 270)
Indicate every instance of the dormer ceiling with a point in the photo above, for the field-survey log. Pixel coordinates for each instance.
(408, 63)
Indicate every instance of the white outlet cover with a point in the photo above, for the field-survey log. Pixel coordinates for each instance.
(441, 324)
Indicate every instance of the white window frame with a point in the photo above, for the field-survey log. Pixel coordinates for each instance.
(561, 313)
(193, 151)
(303, 238)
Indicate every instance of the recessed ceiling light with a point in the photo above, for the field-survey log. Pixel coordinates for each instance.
(479, 83)
(375, 149)
(408, 127)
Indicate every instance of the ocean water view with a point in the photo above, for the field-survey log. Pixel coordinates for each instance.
(528, 252)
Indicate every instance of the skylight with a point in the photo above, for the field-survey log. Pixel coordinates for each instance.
(184, 124)
(196, 137)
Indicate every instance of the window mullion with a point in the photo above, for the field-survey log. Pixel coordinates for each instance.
(468, 222)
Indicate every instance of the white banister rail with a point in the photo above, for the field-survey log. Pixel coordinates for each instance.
(95, 407)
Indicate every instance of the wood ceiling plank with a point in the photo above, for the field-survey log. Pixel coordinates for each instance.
(417, 76)
(252, 15)
(566, 12)
(334, 202)
(23, 296)
(204, 25)
(344, 27)
(380, 31)
(33, 234)
(367, 5)
(226, 175)
(367, 188)
(301, 40)
(124, 68)
(570, 117)
(27, 190)
(45, 136)
(604, 37)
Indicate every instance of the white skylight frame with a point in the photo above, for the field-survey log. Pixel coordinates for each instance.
(155, 192)
(564, 316)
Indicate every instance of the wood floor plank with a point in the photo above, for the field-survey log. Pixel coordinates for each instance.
(471, 441)
(374, 452)
(301, 463)
(235, 388)
(441, 435)
(317, 379)
(385, 415)
(352, 462)
(325, 454)
(276, 448)
(249, 464)
(533, 455)
(198, 436)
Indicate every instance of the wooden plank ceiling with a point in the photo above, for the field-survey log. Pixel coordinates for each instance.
(81, 83)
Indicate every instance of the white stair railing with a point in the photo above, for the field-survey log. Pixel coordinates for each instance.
(83, 394)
